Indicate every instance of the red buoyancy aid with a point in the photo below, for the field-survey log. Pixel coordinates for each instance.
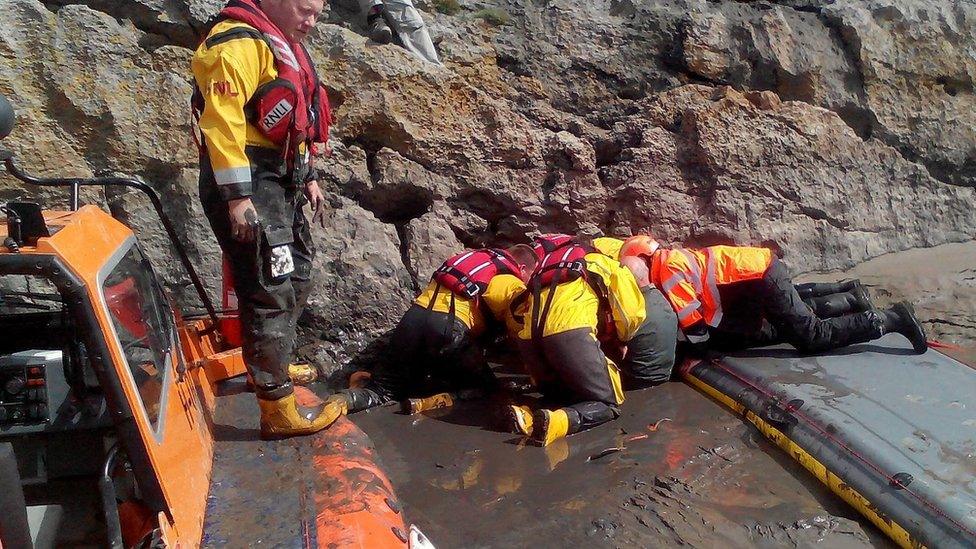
(563, 259)
(468, 273)
(294, 107)
(560, 259)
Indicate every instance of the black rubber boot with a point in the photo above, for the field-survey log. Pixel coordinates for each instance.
(901, 319)
(861, 298)
(377, 28)
(361, 399)
(830, 306)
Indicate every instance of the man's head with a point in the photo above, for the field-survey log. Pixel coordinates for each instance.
(637, 266)
(526, 259)
(295, 18)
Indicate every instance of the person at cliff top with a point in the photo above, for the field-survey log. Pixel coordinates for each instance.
(575, 295)
(260, 109)
(436, 344)
(736, 297)
(406, 21)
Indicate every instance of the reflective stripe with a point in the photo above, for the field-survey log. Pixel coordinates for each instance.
(713, 289)
(232, 176)
(696, 338)
(695, 271)
(670, 283)
(686, 311)
(283, 51)
(462, 258)
(479, 267)
(716, 318)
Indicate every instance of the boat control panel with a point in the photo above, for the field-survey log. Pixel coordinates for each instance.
(24, 387)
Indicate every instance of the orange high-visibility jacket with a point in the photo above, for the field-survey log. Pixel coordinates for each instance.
(689, 279)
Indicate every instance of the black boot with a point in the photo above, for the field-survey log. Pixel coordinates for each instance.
(860, 298)
(901, 319)
(376, 26)
(361, 399)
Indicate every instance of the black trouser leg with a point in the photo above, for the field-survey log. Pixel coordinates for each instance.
(581, 370)
(651, 351)
(833, 305)
(267, 304)
(303, 253)
(392, 376)
(431, 352)
(786, 311)
(572, 371)
(819, 289)
(725, 339)
(585, 415)
(363, 398)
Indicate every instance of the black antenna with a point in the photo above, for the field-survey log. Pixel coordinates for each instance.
(76, 183)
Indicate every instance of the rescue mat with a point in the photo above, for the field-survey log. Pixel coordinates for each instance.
(891, 432)
(321, 490)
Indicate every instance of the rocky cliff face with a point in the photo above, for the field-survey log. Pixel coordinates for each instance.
(833, 130)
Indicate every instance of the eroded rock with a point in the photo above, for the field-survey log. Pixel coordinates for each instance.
(571, 117)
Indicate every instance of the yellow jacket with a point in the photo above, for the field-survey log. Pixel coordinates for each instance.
(502, 289)
(227, 75)
(608, 246)
(576, 305)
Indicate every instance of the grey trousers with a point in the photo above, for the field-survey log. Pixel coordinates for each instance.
(408, 25)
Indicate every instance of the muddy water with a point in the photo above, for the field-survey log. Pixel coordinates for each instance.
(704, 479)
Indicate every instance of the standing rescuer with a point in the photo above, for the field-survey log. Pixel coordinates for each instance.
(733, 296)
(261, 108)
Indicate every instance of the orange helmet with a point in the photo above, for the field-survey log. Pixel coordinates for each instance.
(638, 246)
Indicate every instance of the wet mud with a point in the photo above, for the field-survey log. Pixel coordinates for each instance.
(703, 478)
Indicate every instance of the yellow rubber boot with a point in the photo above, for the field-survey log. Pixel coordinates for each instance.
(520, 419)
(549, 426)
(416, 405)
(302, 373)
(340, 400)
(283, 418)
(299, 373)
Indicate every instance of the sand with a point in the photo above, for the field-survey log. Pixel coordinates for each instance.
(939, 281)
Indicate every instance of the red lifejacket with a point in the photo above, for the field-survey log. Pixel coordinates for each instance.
(561, 259)
(468, 273)
(294, 107)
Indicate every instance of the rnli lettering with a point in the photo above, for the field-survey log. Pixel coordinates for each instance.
(282, 109)
(222, 87)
